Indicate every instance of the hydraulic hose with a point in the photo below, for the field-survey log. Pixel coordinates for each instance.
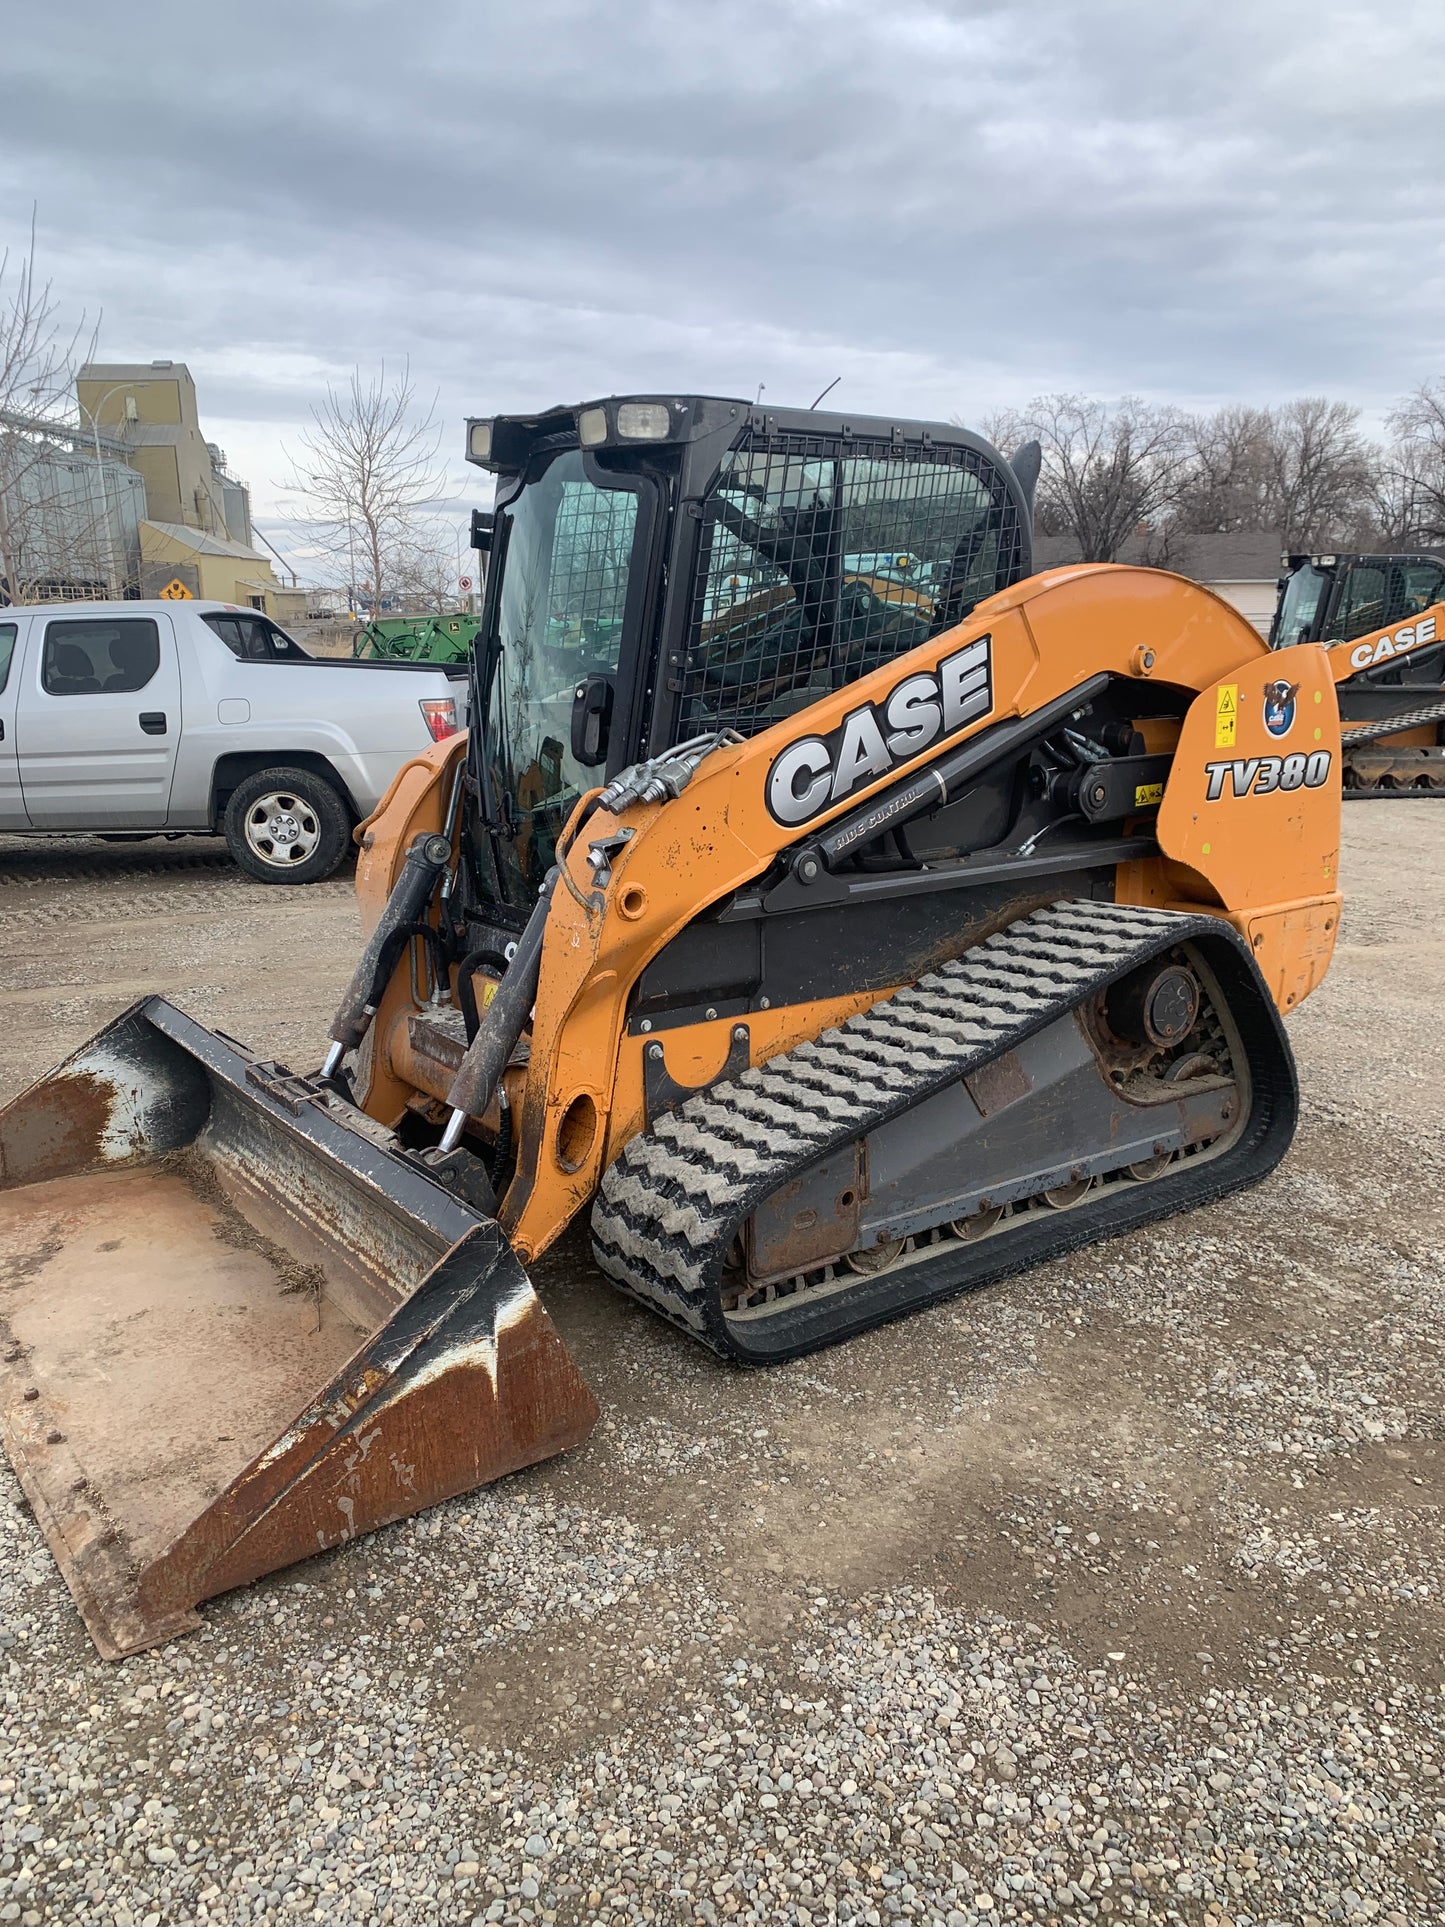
(466, 996)
(475, 1083)
(435, 948)
(425, 863)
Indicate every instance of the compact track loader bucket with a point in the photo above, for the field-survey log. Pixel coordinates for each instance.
(238, 1331)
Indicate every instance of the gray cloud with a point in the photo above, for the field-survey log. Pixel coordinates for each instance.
(953, 205)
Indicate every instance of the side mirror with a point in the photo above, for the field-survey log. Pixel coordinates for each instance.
(591, 721)
(1027, 463)
(484, 523)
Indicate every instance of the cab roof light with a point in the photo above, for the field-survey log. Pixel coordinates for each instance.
(592, 427)
(644, 421)
(479, 441)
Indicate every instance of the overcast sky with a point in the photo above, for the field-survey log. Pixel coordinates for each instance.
(952, 205)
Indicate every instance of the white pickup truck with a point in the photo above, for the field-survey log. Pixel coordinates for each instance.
(145, 717)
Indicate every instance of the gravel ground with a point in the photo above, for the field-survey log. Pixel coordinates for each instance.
(1112, 1593)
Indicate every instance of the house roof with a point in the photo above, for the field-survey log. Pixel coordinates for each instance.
(1208, 558)
(202, 543)
(133, 371)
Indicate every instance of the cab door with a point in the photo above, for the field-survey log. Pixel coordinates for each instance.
(99, 720)
(12, 639)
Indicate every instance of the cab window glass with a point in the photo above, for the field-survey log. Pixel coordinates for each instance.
(571, 545)
(813, 568)
(8, 632)
(254, 639)
(1364, 601)
(267, 643)
(1424, 585)
(227, 629)
(105, 655)
(1299, 606)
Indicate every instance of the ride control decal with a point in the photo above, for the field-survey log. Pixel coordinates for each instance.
(1259, 775)
(1413, 636)
(1279, 707)
(817, 771)
(1226, 715)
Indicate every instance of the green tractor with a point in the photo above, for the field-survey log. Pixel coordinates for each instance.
(439, 639)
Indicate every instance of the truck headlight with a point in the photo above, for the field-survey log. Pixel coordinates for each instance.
(479, 441)
(592, 427)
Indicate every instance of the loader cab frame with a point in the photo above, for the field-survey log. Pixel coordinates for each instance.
(1336, 598)
(572, 551)
(662, 567)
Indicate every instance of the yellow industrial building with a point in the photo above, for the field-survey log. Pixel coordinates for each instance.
(196, 538)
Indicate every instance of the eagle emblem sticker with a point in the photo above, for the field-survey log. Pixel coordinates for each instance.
(1279, 707)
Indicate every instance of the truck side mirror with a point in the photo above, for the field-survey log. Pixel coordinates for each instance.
(591, 721)
(484, 523)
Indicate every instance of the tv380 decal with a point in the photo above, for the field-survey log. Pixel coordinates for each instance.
(871, 741)
(1260, 775)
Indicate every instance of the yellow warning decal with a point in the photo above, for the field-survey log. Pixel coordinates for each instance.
(1146, 794)
(1226, 715)
(176, 591)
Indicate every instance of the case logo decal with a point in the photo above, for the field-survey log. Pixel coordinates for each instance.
(1279, 707)
(1259, 775)
(809, 776)
(1413, 636)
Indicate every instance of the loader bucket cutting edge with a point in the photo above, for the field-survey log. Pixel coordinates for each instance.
(235, 1332)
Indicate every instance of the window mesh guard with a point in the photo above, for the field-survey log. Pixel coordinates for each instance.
(592, 551)
(816, 565)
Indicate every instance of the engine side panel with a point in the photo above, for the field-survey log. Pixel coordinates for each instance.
(1040, 640)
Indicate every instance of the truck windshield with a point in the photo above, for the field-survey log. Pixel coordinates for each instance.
(1304, 594)
(567, 546)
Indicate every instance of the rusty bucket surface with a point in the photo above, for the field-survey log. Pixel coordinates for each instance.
(236, 1330)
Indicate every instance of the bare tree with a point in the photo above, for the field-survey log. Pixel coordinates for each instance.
(1108, 471)
(368, 469)
(1227, 490)
(1319, 472)
(55, 521)
(1301, 470)
(1410, 482)
(425, 569)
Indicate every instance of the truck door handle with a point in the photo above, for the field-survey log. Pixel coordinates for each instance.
(153, 722)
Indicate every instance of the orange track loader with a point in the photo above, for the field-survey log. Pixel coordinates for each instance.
(1382, 620)
(920, 923)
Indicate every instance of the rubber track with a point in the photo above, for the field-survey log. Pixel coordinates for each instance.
(670, 1205)
(1362, 794)
(1358, 734)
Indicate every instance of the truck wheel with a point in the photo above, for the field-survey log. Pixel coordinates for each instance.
(287, 826)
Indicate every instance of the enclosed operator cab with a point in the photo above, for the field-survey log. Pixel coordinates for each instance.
(1382, 619)
(665, 566)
